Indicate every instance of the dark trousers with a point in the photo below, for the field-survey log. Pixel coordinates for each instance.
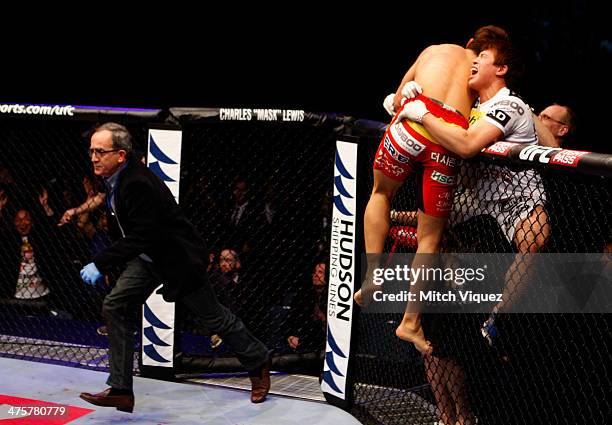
(123, 305)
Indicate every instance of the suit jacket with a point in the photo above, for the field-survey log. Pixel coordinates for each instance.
(155, 225)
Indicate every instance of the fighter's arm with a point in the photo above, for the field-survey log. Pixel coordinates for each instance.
(545, 137)
(465, 143)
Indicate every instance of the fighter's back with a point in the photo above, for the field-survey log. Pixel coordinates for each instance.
(443, 71)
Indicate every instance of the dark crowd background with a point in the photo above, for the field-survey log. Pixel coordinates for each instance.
(309, 58)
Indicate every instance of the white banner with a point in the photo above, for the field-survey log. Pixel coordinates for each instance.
(341, 271)
(157, 331)
(164, 159)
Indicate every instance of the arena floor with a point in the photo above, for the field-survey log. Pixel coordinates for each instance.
(157, 402)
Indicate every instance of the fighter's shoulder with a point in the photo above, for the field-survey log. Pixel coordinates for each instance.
(442, 48)
(511, 100)
(449, 46)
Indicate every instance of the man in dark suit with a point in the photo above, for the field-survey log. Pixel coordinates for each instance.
(158, 244)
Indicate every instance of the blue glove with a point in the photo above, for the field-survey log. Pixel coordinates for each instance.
(489, 330)
(90, 274)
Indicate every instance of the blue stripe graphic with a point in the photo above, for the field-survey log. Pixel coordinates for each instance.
(341, 168)
(152, 353)
(156, 168)
(158, 153)
(153, 320)
(150, 334)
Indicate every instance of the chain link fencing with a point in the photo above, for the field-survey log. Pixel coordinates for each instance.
(542, 368)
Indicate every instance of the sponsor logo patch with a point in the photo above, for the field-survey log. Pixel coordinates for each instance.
(406, 141)
(499, 116)
(443, 178)
(568, 158)
(449, 161)
(500, 148)
(394, 153)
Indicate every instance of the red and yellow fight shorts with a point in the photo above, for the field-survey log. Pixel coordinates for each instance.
(408, 148)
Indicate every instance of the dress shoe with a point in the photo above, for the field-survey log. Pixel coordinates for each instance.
(123, 402)
(260, 382)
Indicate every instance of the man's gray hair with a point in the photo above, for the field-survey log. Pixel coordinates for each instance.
(122, 139)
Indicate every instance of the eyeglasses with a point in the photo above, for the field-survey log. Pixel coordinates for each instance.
(99, 152)
(548, 117)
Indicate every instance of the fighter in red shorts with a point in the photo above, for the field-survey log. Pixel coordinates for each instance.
(442, 71)
(407, 148)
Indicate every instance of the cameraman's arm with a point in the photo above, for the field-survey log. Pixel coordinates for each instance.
(545, 137)
(43, 198)
(89, 205)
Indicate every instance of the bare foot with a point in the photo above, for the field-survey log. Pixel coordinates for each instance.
(365, 295)
(358, 299)
(416, 337)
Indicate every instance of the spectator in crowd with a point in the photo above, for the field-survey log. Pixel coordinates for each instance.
(203, 203)
(30, 282)
(560, 121)
(7, 199)
(227, 281)
(270, 203)
(41, 259)
(235, 285)
(43, 199)
(241, 212)
(50, 253)
(308, 319)
(4, 202)
(213, 265)
(245, 218)
(5, 176)
(324, 224)
(229, 263)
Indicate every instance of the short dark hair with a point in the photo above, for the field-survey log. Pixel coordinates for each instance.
(486, 34)
(506, 54)
(496, 38)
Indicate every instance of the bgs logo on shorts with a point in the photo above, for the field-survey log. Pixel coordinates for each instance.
(394, 153)
(401, 136)
(443, 178)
